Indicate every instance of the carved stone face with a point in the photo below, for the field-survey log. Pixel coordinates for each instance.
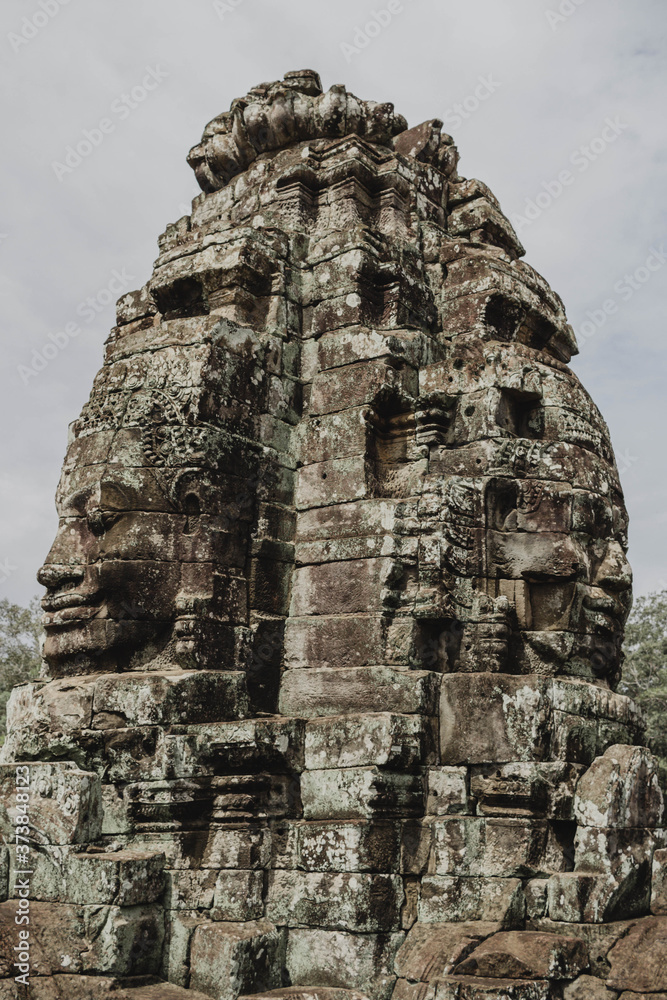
(112, 574)
(152, 514)
(543, 523)
(576, 579)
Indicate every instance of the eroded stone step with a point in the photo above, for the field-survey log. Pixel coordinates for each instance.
(526, 955)
(307, 993)
(465, 988)
(92, 988)
(161, 991)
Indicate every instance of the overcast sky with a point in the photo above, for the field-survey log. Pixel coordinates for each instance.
(561, 110)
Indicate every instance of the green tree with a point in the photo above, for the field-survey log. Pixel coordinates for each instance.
(645, 668)
(20, 638)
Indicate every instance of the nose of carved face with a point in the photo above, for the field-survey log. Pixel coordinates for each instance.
(614, 573)
(66, 572)
(55, 576)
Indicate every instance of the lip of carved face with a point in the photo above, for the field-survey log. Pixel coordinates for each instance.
(63, 608)
(604, 614)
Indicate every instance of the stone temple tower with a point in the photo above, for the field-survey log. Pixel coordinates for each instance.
(334, 612)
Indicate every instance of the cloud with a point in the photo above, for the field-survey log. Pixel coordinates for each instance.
(556, 88)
